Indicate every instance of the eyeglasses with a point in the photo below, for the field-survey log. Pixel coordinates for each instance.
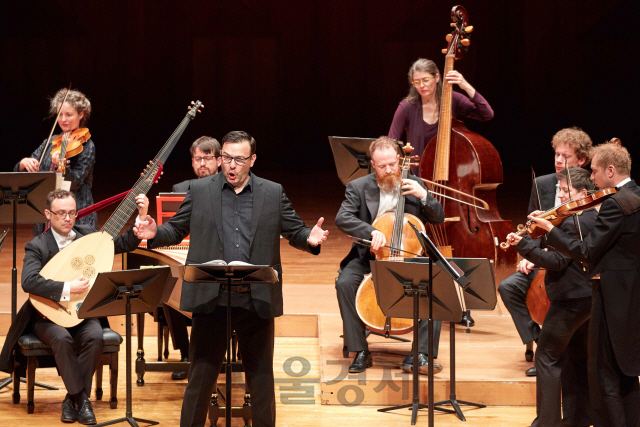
(63, 215)
(423, 81)
(239, 160)
(198, 159)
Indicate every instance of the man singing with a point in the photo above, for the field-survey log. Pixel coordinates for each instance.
(234, 216)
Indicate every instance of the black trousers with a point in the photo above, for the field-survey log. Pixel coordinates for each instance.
(177, 323)
(513, 291)
(561, 364)
(354, 329)
(77, 351)
(207, 351)
(615, 396)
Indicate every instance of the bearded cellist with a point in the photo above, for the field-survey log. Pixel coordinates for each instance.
(366, 199)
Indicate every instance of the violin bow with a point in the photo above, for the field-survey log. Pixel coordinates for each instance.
(537, 202)
(365, 242)
(576, 220)
(44, 150)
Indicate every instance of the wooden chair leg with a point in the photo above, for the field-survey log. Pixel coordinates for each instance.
(160, 339)
(165, 331)
(99, 382)
(16, 385)
(32, 364)
(113, 380)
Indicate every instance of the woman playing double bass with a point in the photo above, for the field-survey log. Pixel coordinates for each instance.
(73, 114)
(418, 113)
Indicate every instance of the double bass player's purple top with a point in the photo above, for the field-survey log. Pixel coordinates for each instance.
(408, 120)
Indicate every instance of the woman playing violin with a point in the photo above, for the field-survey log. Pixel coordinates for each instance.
(418, 114)
(74, 113)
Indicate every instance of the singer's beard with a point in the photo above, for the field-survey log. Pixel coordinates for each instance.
(390, 182)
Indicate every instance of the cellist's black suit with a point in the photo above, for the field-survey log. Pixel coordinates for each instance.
(612, 249)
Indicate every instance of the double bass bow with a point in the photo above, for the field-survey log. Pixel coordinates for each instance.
(468, 163)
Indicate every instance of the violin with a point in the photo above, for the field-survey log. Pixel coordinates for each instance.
(558, 213)
(69, 144)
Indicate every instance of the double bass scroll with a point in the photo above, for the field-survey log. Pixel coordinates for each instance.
(468, 163)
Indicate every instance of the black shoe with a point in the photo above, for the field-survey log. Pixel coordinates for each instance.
(69, 413)
(407, 364)
(531, 372)
(85, 413)
(467, 315)
(362, 361)
(181, 375)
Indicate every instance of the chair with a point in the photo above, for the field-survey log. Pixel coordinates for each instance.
(31, 353)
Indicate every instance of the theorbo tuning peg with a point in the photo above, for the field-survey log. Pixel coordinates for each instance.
(468, 29)
(448, 37)
(466, 42)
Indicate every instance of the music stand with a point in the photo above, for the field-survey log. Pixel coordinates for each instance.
(351, 156)
(125, 292)
(395, 282)
(26, 192)
(229, 275)
(479, 295)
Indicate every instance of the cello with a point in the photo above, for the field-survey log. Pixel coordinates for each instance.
(467, 163)
(396, 229)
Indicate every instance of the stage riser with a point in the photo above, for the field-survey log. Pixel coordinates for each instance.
(289, 325)
(484, 392)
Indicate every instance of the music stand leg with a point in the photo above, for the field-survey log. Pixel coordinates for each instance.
(228, 409)
(452, 394)
(129, 418)
(393, 337)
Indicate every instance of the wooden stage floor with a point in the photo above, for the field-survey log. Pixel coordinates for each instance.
(490, 360)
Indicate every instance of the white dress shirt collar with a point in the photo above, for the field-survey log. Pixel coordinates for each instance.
(63, 241)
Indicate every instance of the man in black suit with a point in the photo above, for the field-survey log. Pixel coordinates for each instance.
(205, 161)
(366, 199)
(234, 216)
(612, 249)
(76, 370)
(572, 147)
(561, 355)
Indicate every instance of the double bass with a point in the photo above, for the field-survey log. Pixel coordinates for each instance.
(466, 163)
(402, 239)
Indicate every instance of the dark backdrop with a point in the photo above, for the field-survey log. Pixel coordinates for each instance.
(292, 73)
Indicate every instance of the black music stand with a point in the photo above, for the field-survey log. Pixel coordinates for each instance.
(26, 192)
(125, 292)
(398, 282)
(479, 295)
(229, 275)
(351, 156)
